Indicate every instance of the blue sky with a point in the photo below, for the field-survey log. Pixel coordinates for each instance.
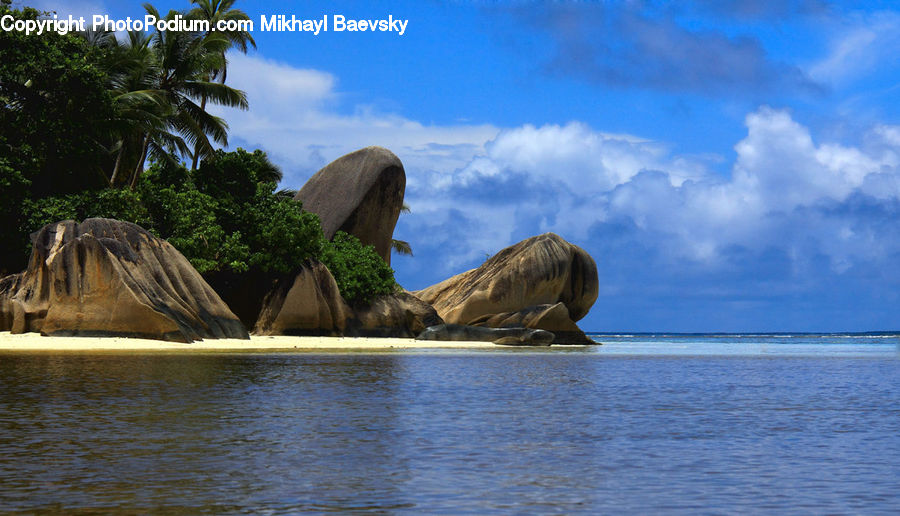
(730, 165)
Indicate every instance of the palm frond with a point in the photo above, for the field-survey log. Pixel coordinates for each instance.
(401, 247)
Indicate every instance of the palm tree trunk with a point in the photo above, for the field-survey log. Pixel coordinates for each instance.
(196, 159)
(115, 173)
(197, 147)
(140, 166)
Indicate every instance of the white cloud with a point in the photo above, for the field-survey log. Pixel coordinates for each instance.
(779, 165)
(282, 83)
(534, 179)
(786, 191)
(474, 189)
(295, 115)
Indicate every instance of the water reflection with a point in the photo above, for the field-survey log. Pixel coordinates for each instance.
(499, 426)
(454, 433)
(112, 428)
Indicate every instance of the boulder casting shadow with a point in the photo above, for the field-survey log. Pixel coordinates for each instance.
(542, 282)
(309, 303)
(360, 193)
(105, 277)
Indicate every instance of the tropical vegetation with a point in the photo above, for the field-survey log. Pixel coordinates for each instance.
(81, 116)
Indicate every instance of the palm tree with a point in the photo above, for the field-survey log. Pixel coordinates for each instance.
(185, 62)
(402, 246)
(99, 38)
(215, 11)
(131, 68)
(134, 72)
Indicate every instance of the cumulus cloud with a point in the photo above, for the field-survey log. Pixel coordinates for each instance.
(794, 219)
(299, 117)
(779, 172)
(534, 179)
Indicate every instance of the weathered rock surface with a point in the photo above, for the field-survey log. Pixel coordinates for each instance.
(9, 286)
(400, 315)
(553, 318)
(307, 304)
(110, 278)
(520, 286)
(360, 193)
(310, 303)
(504, 336)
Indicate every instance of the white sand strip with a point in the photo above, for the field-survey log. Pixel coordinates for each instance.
(37, 342)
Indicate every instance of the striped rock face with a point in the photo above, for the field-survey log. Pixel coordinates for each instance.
(105, 277)
(543, 282)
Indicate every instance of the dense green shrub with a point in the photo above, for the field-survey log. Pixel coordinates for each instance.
(232, 230)
(224, 230)
(109, 203)
(283, 234)
(276, 233)
(187, 219)
(234, 225)
(361, 274)
(55, 109)
(235, 175)
(70, 108)
(54, 100)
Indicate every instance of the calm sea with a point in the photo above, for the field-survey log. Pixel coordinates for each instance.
(644, 424)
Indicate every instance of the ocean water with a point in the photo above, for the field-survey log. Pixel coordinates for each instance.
(644, 424)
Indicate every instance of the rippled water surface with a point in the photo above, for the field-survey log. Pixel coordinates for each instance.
(642, 424)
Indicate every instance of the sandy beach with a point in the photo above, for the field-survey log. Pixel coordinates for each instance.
(37, 342)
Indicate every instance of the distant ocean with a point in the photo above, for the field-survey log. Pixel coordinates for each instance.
(676, 424)
(751, 344)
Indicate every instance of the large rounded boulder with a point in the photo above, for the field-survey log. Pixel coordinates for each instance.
(400, 315)
(309, 303)
(105, 277)
(360, 193)
(306, 303)
(522, 286)
(553, 318)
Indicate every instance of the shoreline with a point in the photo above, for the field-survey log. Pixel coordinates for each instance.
(37, 342)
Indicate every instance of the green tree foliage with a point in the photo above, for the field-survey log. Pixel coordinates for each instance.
(235, 174)
(233, 226)
(109, 203)
(361, 274)
(225, 216)
(184, 64)
(80, 115)
(14, 190)
(54, 108)
(284, 233)
(81, 112)
(55, 105)
(187, 219)
(215, 11)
